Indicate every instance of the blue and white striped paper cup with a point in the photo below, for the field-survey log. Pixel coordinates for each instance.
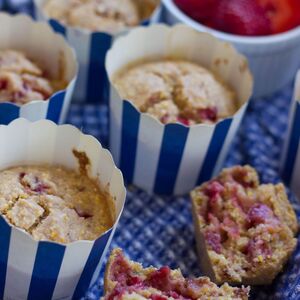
(290, 162)
(49, 50)
(47, 270)
(173, 159)
(91, 48)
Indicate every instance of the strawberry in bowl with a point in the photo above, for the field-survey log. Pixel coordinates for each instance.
(244, 17)
(267, 32)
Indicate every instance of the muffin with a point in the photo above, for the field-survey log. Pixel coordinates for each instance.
(90, 27)
(196, 87)
(176, 91)
(126, 280)
(110, 16)
(22, 80)
(38, 71)
(245, 231)
(54, 203)
(61, 197)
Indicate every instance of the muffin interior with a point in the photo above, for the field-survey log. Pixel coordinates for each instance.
(248, 228)
(55, 203)
(129, 280)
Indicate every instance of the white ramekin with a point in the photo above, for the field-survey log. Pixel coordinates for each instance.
(274, 60)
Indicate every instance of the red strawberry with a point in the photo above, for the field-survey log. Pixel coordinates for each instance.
(183, 121)
(160, 279)
(283, 14)
(259, 214)
(158, 297)
(213, 239)
(243, 17)
(200, 10)
(82, 214)
(208, 114)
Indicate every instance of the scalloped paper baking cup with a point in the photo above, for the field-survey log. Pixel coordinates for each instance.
(49, 50)
(172, 159)
(273, 60)
(290, 163)
(91, 48)
(47, 270)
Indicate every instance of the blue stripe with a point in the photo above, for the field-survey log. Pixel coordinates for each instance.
(98, 84)
(55, 106)
(171, 152)
(145, 22)
(212, 155)
(33, 12)
(4, 248)
(58, 27)
(8, 113)
(91, 265)
(45, 271)
(293, 147)
(130, 130)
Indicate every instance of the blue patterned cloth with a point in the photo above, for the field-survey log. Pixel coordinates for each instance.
(159, 231)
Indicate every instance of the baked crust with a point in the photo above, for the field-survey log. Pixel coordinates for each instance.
(111, 16)
(176, 91)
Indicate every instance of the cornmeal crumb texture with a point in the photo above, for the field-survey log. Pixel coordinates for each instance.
(109, 16)
(22, 80)
(245, 231)
(176, 91)
(54, 203)
(126, 280)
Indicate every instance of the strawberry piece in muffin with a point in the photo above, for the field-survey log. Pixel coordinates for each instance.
(244, 230)
(126, 280)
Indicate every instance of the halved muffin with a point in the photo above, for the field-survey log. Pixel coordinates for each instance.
(244, 230)
(125, 279)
